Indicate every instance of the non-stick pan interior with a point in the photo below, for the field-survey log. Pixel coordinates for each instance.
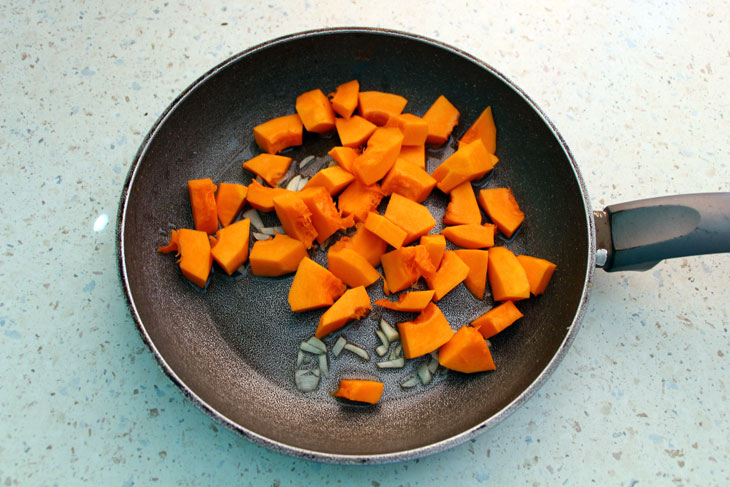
(233, 346)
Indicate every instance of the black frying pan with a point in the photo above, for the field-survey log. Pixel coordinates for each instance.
(232, 347)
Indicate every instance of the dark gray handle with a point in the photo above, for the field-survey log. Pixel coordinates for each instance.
(638, 234)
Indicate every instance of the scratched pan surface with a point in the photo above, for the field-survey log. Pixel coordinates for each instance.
(232, 347)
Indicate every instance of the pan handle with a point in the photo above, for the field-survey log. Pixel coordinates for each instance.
(635, 236)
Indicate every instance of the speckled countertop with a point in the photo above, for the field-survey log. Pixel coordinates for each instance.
(639, 91)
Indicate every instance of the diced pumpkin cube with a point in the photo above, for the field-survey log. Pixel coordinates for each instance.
(344, 156)
(334, 179)
(472, 236)
(386, 229)
(359, 390)
(359, 199)
(354, 131)
(202, 204)
(193, 248)
(470, 162)
(270, 167)
(497, 319)
(365, 243)
(539, 272)
(502, 208)
(409, 180)
(295, 217)
(231, 248)
(507, 278)
(426, 333)
(404, 266)
(229, 201)
(450, 274)
(279, 133)
(315, 111)
(262, 197)
(478, 261)
(415, 154)
(379, 156)
(352, 305)
(483, 128)
(326, 218)
(414, 128)
(412, 217)
(463, 207)
(351, 267)
(466, 352)
(344, 99)
(276, 257)
(435, 245)
(441, 118)
(313, 287)
(414, 301)
(378, 106)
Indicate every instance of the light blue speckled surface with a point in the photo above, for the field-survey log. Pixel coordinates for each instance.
(640, 92)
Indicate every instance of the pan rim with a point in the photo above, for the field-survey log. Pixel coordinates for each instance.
(335, 458)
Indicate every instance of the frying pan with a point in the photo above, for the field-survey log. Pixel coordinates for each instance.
(232, 346)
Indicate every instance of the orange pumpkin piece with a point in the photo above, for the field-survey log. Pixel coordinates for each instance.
(408, 180)
(229, 201)
(478, 261)
(334, 179)
(483, 128)
(404, 266)
(344, 156)
(414, 128)
(295, 217)
(379, 156)
(313, 287)
(359, 390)
(325, 215)
(378, 107)
(441, 118)
(351, 267)
(385, 229)
(315, 111)
(202, 204)
(470, 162)
(366, 243)
(270, 167)
(414, 301)
(415, 154)
(450, 274)
(507, 277)
(426, 333)
(193, 250)
(279, 133)
(502, 208)
(276, 256)
(354, 131)
(231, 248)
(435, 245)
(326, 218)
(497, 319)
(463, 207)
(539, 272)
(412, 217)
(467, 352)
(344, 99)
(471, 236)
(262, 197)
(359, 199)
(352, 305)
